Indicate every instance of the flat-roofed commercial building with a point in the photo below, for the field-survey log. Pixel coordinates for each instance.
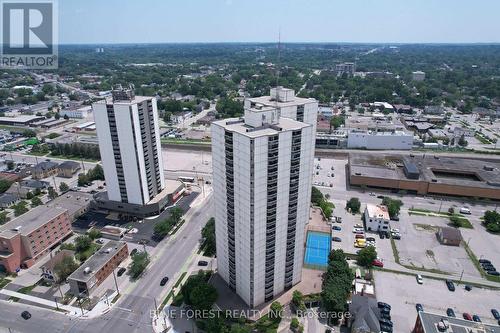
(97, 268)
(427, 174)
(26, 239)
(376, 218)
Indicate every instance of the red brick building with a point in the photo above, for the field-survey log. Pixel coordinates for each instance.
(28, 238)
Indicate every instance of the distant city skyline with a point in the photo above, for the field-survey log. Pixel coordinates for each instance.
(356, 21)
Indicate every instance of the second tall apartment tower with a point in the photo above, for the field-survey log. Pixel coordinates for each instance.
(129, 142)
(262, 167)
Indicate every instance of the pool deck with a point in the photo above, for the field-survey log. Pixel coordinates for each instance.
(317, 222)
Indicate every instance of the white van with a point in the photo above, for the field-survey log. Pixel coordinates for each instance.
(465, 210)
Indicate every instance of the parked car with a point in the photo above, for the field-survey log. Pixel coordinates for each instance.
(494, 273)
(202, 263)
(468, 287)
(371, 194)
(121, 271)
(484, 261)
(395, 218)
(450, 285)
(385, 322)
(386, 328)
(380, 197)
(450, 312)
(336, 239)
(467, 316)
(420, 280)
(164, 281)
(396, 236)
(370, 239)
(133, 252)
(377, 263)
(337, 228)
(359, 236)
(476, 318)
(495, 314)
(26, 315)
(419, 307)
(382, 305)
(386, 316)
(465, 210)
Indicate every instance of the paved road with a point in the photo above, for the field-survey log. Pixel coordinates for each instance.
(132, 312)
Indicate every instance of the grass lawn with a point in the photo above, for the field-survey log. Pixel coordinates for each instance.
(4, 282)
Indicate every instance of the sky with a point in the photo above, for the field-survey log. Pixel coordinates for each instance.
(357, 21)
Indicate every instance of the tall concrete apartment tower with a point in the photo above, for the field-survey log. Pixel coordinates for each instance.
(262, 167)
(129, 142)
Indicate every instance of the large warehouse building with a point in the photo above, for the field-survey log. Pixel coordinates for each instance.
(427, 174)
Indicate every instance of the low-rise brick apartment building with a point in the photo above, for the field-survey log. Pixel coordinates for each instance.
(28, 238)
(97, 268)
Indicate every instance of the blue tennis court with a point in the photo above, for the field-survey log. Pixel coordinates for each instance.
(317, 249)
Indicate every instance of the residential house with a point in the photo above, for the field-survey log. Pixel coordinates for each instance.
(44, 169)
(68, 168)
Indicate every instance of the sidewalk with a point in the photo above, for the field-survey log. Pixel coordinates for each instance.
(70, 309)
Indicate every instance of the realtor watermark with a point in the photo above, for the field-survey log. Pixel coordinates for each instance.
(192, 314)
(29, 31)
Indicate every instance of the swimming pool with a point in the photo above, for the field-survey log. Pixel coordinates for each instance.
(317, 249)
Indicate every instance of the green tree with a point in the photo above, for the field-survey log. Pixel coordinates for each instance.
(393, 206)
(4, 185)
(36, 202)
(52, 193)
(83, 179)
(20, 208)
(492, 221)
(65, 268)
(167, 117)
(462, 142)
(139, 263)
(208, 234)
(203, 296)
(94, 234)
(337, 121)
(10, 165)
(366, 256)
(63, 187)
(294, 324)
(82, 243)
(337, 282)
(298, 301)
(176, 214)
(276, 311)
(4, 218)
(353, 205)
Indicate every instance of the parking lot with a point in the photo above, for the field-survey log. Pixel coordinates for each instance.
(402, 292)
(144, 228)
(429, 253)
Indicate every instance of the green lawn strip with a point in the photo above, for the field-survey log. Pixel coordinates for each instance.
(4, 282)
(476, 263)
(72, 157)
(171, 293)
(474, 284)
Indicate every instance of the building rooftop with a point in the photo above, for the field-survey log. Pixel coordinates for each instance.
(432, 168)
(377, 211)
(69, 165)
(30, 221)
(20, 119)
(451, 233)
(430, 323)
(365, 314)
(238, 125)
(93, 264)
(71, 201)
(45, 165)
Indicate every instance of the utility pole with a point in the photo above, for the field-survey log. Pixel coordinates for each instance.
(57, 306)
